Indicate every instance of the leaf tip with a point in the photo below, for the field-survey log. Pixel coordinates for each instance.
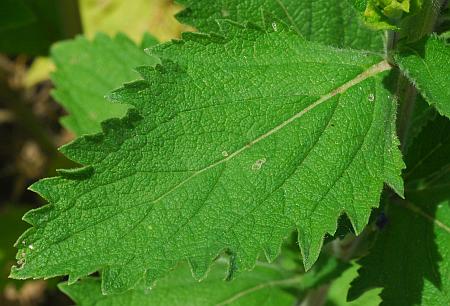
(199, 268)
(76, 173)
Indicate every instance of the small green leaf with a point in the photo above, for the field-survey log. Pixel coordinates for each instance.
(426, 64)
(394, 8)
(412, 19)
(381, 14)
(232, 143)
(263, 286)
(388, 14)
(324, 272)
(339, 287)
(89, 70)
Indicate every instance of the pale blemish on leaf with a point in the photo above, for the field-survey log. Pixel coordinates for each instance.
(258, 164)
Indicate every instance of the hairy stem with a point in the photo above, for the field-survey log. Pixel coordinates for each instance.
(317, 296)
(406, 94)
(389, 43)
(69, 14)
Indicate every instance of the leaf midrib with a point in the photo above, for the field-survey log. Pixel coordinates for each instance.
(369, 72)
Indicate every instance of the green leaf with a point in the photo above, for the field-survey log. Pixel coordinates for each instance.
(359, 5)
(382, 14)
(148, 41)
(89, 70)
(426, 65)
(429, 157)
(418, 227)
(410, 259)
(421, 21)
(412, 19)
(263, 286)
(332, 23)
(266, 284)
(229, 146)
(326, 270)
(338, 291)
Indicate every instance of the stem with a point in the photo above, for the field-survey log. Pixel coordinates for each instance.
(407, 94)
(317, 296)
(391, 39)
(70, 18)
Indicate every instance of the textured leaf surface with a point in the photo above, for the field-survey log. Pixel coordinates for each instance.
(359, 5)
(89, 70)
(263, 286)
(426, 65)
(229, 147)
(418, 227)
(333, 23)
